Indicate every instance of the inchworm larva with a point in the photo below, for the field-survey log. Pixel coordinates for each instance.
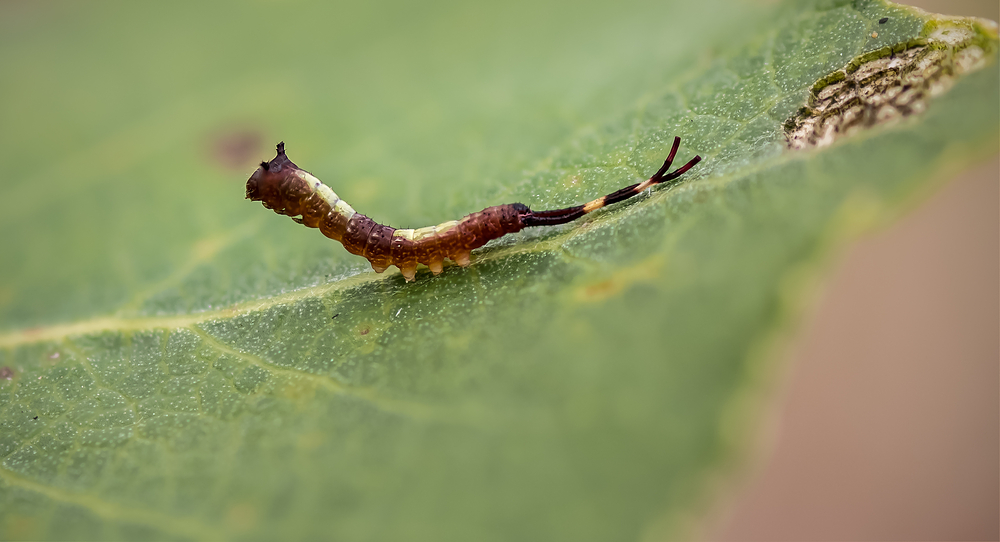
(281, 186)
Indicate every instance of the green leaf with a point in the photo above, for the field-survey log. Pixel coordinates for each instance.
(178, 363)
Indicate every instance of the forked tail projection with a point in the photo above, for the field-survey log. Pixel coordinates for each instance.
(288, 190)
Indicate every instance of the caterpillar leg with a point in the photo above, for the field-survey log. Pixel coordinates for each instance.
(569, 214)
(462, 258)
(409, 272)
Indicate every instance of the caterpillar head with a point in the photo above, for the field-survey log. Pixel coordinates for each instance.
(269, 174)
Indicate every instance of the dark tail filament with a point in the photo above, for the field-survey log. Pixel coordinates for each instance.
(569, 214)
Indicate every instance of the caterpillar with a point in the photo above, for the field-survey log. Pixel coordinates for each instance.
(288, 190)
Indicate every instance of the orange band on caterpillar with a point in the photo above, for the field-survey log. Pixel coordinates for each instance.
(288, 190)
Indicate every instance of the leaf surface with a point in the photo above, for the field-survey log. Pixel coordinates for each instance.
(186, 365)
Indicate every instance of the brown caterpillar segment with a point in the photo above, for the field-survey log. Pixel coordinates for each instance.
(379, 246)
(286, 189)
(359, 227)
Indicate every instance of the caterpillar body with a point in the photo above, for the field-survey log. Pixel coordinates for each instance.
(288, 190)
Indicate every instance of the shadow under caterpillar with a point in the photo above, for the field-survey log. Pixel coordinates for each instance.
(288, 190)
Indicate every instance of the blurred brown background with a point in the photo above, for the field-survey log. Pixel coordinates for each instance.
(889, 427)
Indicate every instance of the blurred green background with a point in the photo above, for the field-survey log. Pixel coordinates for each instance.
(184, 364)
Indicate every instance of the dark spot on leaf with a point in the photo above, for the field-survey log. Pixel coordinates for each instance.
(35, 418)
(335, 315)
(883, 20)
(365, 331)
(6, 373)
(237, 149)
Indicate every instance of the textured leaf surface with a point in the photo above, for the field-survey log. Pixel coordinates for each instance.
(185, 365)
